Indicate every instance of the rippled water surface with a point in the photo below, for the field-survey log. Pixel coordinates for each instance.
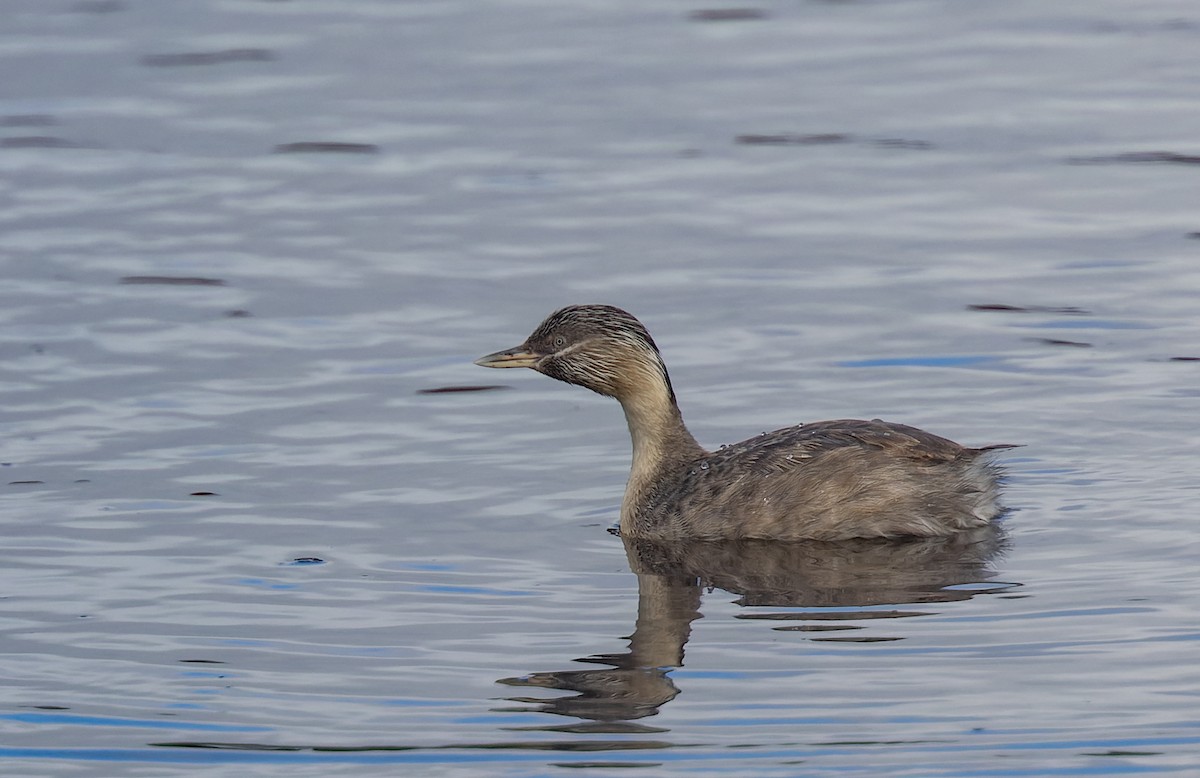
(240, 240)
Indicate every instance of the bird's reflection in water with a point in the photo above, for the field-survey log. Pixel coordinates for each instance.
(838, 579)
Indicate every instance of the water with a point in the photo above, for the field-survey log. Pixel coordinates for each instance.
(239, 240)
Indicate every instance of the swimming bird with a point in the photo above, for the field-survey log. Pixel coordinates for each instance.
(827, 480)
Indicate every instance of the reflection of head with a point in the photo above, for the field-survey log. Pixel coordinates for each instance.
(607, 694)
(763, 573)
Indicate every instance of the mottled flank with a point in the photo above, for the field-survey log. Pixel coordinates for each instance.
(830, 480)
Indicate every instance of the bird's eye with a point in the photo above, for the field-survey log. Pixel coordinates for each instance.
(559, 341)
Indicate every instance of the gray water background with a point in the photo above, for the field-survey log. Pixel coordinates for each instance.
(238, 539)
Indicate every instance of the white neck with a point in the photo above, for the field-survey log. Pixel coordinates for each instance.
(659, 439)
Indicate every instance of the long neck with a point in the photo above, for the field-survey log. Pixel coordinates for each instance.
(660, 438)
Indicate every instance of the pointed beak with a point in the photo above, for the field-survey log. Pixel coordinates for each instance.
(518, 356)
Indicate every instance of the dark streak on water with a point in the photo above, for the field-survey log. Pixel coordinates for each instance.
(1138, 157)
(326, 147)
(1069, 310)
(1058, 342)
(172, 281)
(727, 14)
(454, 389)
(190, 59)
(903, 143)
(37, 142)
(828, 138)
(201, 661)
(793, 139)
(873, 639)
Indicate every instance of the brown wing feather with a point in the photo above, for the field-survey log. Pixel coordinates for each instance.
(829, 479)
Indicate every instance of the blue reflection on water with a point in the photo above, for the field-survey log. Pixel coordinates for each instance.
(107, 721)
(230, 753)
(961, 361)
